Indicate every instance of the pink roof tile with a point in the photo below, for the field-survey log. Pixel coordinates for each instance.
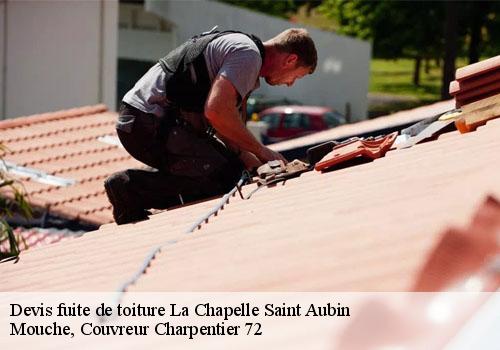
(31, 238)
(337, 231)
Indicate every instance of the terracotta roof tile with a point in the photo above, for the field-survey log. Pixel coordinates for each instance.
(65, 144)
(368, 149)
(476, 82)
(472, 83)
(478, 68)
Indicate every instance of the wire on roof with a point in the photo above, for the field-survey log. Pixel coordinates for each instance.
(197, 225)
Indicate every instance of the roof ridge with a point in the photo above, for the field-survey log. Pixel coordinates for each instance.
(57, 115)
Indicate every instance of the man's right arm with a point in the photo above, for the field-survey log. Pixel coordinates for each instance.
(223, 115)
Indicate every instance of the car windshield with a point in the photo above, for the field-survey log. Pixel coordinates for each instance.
(272, 120)
(296, 120)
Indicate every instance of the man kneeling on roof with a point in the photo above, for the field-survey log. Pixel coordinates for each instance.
(182, 118)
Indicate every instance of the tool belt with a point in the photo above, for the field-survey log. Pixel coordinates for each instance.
(193, 151)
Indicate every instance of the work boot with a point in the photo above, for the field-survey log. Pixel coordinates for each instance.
(124, 207)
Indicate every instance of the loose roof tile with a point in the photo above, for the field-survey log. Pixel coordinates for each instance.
(65, 144)
(369, 149)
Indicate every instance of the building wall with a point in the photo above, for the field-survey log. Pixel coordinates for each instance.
(144, 45)
(2, 56)
(58, 54)
(343, 63)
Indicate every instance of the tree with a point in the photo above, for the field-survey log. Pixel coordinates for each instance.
(450, 50)
(396, 28)
(477, 17)
(12, 198)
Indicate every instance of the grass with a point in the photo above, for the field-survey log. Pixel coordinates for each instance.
(392, 81)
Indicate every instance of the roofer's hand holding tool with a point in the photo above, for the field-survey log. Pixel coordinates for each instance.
(222, 112)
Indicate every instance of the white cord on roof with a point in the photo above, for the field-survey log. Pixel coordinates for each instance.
(197, 225)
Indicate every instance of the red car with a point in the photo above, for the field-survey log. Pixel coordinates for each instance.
(286, 122)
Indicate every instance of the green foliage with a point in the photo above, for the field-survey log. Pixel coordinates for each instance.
(491, 45)
(12, 198)
(396, 28)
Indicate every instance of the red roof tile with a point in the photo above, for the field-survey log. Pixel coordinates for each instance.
(65, 144)
(370, 149)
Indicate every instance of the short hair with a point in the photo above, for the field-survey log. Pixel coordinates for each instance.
(299, 42)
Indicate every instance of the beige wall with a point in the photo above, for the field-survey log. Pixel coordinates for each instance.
(58, 54)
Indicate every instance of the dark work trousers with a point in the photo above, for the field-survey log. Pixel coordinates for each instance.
(186, 163)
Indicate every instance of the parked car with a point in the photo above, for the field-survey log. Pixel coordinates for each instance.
(257, 103)
(286, 122)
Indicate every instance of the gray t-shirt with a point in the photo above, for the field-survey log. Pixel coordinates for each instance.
(234, 56)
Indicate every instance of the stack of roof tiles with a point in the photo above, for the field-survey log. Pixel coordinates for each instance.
(476, 81)
(67, 145)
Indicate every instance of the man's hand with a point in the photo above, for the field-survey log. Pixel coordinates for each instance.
(266, 154)
(250, 161)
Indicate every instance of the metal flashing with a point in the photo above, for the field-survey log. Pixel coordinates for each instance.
(110, 140)
(36, 175)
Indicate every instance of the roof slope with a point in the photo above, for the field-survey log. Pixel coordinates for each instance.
(365, 228)
(66, 144)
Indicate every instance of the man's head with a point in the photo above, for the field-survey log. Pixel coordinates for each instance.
(290, 55)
